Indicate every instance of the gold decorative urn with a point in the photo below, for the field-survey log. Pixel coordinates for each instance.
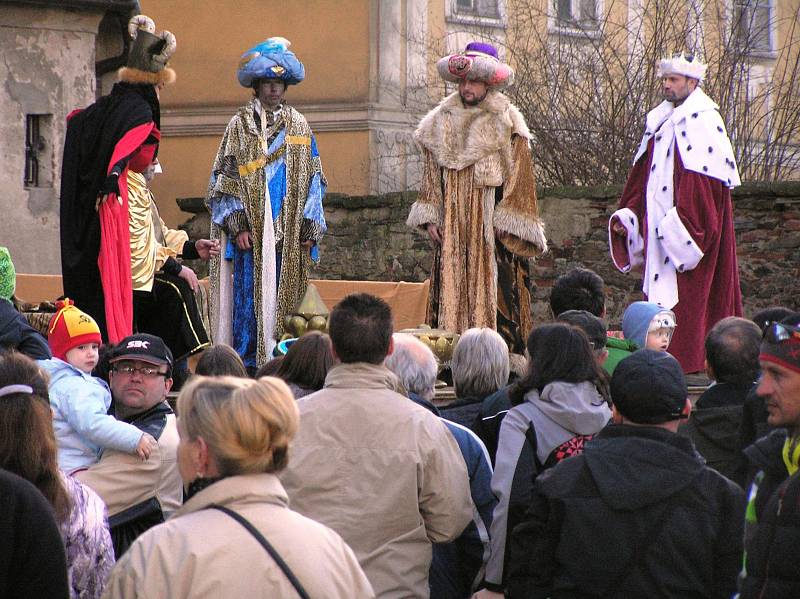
(311, 314)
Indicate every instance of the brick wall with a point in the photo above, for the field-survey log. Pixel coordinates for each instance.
(368, 240)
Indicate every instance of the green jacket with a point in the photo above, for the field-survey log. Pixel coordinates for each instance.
(618, 349)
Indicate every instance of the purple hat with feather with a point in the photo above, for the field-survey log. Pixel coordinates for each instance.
(478, 62)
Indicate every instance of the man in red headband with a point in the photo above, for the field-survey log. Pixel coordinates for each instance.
(772, 537)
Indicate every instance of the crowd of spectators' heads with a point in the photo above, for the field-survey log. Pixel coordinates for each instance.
(558, 352)
(239, 442)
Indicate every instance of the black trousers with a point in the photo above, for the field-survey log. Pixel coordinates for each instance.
(170, 312)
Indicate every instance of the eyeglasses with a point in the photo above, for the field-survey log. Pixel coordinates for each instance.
(778, 332)
(145, 371)
(688, 57)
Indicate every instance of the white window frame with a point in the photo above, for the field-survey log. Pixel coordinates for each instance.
(772, 32)
(575, 28)
(474, 18)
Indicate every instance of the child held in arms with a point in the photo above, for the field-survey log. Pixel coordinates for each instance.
(648, 325)
(80, 401)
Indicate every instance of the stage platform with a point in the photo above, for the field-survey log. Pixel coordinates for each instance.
(407, 300)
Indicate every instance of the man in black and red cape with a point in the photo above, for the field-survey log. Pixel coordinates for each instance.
(118, 132)
(675, 217)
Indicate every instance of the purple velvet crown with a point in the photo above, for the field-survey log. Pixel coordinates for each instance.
(481, 47)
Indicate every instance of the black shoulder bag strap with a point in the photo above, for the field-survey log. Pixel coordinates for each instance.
(266, 545)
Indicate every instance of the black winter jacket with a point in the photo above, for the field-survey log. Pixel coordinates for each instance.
(487, 423)
(772, 543)
(32, 558)
(714, 428)
(16, 333)
(638, 514)
(462, 411)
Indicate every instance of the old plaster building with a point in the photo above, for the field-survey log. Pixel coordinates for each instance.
(54, 54)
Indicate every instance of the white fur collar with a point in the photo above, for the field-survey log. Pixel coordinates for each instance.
(698, 132)
(458, 136)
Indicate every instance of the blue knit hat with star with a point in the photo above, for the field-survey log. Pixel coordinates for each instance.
(636, 321)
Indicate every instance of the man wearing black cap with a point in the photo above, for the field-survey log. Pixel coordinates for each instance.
(773, 512)
(139, 493)
(638, 514)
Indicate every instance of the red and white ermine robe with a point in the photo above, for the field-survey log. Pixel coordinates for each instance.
(677, 211)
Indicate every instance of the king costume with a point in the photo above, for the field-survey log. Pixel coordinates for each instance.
(266, 179)
(477, 179)
(677, 212)
(118, 133)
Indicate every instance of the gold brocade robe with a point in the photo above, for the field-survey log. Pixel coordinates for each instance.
(470, 154)
(239, 172)
(152, 242)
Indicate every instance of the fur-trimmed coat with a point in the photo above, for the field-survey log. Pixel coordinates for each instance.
(678, 215)
(478, 178)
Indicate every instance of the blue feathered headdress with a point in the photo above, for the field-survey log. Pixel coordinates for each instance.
(270, 59)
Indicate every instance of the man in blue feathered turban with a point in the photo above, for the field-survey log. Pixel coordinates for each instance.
(265, 198)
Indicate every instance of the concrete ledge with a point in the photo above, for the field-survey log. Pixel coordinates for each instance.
(38, 288)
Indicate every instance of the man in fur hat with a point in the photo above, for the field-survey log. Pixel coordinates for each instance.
(117, 133)
(477, 201)
(265, 198)
(675, 216)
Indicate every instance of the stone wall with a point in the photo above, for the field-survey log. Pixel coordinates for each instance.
(766, 220)
(368, 240)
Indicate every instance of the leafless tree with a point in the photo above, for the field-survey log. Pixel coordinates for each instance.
(585, 80)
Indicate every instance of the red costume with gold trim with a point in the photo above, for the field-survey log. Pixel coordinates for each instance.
(119, 132)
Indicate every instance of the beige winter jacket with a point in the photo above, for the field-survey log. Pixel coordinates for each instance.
(204, 554)
(123, 480)
(382, 472)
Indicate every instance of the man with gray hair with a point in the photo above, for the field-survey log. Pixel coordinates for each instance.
(415, 365)
(457, 567)
(480, 367)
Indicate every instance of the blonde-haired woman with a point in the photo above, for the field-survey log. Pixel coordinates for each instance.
(234, 437)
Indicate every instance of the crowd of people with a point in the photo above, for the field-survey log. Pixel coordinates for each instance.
(334, 470)
(569, 479)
